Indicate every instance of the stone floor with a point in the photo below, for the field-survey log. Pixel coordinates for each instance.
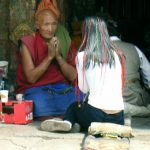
(141, 131)
(30, 137)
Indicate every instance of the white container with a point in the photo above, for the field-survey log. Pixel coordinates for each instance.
(19, 97)
(4, 67)
(4, 95)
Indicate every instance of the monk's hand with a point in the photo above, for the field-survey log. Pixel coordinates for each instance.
(56, 44)
(51, 50)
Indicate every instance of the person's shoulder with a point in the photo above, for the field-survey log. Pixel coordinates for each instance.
(80, 55)
(127, 43)
(29, 36)
(125, 46)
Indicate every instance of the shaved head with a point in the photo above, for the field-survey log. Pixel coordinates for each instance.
(45, 12)
(46, 23)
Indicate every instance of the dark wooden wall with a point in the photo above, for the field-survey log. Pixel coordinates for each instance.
(133, 17)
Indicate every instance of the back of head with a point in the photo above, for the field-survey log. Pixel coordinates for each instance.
(96, 42)
(112, 25)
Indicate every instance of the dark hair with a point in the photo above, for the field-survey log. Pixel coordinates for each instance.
(111, 24)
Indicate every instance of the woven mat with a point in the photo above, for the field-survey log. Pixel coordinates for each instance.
(92, 143)
(110, 128)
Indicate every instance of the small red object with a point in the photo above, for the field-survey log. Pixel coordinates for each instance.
(17, 113)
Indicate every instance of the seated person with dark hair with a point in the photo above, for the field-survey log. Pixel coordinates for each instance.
(137, 73)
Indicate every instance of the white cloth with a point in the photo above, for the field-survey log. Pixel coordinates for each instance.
(144, 64)
(104, 84)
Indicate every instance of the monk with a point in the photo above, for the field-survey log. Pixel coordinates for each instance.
(46, 64)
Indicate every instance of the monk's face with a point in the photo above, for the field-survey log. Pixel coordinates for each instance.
(47, 25)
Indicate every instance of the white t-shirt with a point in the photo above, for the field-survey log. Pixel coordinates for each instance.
(104, 84)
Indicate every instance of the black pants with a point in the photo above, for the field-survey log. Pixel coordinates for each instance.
(87, 114)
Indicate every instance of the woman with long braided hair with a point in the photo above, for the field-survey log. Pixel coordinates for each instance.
(100, 68)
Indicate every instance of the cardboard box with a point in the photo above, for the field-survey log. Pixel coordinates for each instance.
(17, 113)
